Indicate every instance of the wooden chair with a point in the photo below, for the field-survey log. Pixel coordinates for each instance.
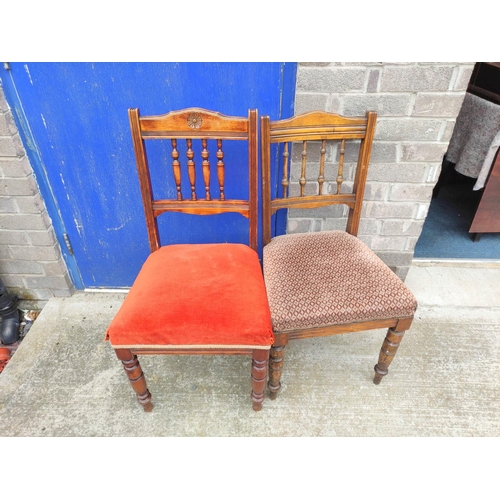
(196, 298)
(328, 282)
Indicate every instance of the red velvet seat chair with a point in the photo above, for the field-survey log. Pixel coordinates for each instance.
(328, 282)
(196, 298)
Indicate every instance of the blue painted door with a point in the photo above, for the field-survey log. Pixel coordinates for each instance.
(73, 118)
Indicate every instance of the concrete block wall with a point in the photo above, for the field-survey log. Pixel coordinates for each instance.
(31, 264)
(417, 105)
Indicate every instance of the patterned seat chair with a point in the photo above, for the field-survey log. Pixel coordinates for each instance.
(329, 282)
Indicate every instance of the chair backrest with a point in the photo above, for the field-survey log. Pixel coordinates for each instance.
(188, 125)
(323, 127)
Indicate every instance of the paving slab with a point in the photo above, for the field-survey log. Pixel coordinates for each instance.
(64, 380)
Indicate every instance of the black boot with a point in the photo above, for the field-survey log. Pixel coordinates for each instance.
(9, 326)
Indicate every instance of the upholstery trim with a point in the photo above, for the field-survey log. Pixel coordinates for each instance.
(173, 347)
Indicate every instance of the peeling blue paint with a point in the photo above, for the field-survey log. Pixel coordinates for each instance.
(79, 131)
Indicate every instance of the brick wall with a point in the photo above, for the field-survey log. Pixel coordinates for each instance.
(31, 265)
(417, 104)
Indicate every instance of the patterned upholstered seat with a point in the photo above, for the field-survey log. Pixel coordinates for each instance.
(330, 278)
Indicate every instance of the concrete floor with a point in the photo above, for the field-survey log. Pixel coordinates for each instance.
(445, 380)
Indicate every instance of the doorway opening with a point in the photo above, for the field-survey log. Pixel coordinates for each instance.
(463, 221)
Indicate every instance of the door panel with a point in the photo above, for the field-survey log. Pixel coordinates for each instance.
(77, 117)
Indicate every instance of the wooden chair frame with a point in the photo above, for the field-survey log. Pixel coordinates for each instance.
(186, 124)
(322, 126)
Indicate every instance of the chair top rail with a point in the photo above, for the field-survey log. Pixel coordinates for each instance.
(194, 122)
(318, 125)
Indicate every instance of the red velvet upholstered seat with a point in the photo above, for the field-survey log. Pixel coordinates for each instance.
(205, 295)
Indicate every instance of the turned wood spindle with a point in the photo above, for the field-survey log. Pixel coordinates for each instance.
(302, 180)
(321, 177)
(136, 377)
(340, 177)
(260, 359)
(176, 166)
(284, 181)
(275, 368)
(387, 353)
(220, 169)
(205, 165)
(191, 168)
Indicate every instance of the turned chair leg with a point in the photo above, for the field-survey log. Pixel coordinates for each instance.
(275, 369)
(387, 353)
(260, 359)
(136, 377)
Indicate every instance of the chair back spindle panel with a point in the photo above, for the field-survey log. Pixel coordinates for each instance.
(195, 125)
(318, 127)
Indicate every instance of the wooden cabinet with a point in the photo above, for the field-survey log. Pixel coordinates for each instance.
(487, 217)
(485, 83)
